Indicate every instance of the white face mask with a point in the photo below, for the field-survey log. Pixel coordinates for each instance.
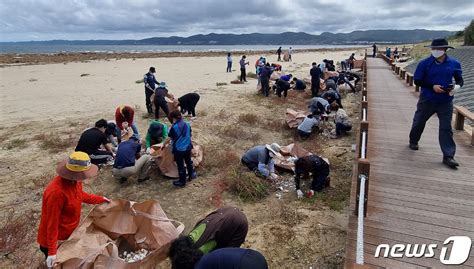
(437, 53)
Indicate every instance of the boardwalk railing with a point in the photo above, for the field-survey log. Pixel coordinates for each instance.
(363, 169)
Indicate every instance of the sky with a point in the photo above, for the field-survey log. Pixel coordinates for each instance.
(24, 20)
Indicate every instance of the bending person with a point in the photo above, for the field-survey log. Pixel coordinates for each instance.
(62, 202)
(260, 160)
(188, 103)
(317, 167)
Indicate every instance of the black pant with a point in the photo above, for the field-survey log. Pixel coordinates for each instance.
(314, 88)
(265, 85)
(319, 180)
(303, 135)
(243, 75)
(182, 157)
(148, 94)
(44, 250)
(100, 156)
(282, 89)
(279, 57)
(251, 166)
(229, 67)
(164, 107)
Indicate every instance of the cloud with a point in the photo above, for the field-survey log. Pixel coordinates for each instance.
(135, 19)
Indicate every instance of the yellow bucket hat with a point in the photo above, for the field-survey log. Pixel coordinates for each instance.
(77, 167)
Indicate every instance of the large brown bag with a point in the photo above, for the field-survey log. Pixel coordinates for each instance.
(294, 118)
(110, 229)
(164, 158)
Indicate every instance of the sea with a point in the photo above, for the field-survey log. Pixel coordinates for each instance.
(50, 49)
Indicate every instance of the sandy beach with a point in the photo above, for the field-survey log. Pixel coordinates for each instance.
(59, 100)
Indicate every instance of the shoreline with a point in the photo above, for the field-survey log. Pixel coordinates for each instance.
(20, 59)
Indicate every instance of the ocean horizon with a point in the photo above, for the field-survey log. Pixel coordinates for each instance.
(8, 48)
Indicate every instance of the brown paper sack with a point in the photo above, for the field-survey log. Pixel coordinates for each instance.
(329, 74)
(294, 118)
(165, 160)
(275, 75)
(292, 150)
(115, 227)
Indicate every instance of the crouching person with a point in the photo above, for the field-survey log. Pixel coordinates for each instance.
(188, 103)
(235, 258)
(343, 122)
(317, 167)
(306, 127)
(260, 160)
(91, 141)
(156, 134)
(62, 200)
(223, 228)
(128, 161)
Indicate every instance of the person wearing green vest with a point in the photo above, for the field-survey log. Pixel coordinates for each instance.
(223, 228)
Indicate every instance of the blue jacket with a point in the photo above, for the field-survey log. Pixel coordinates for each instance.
(150, 79)
(180, 135)
(126, 154)
(430, 73)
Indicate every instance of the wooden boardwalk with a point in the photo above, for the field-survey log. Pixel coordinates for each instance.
(412, 198)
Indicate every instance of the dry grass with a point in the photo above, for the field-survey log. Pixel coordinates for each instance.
(139, 81)
(85, 75)
(16, 143)
(251, 75)
(54, 143)
(246, 185)
(248, 118)
(216, 159)
(238, 132)
(219, 84)
(43, 180)
(32, 80)
(14, 232)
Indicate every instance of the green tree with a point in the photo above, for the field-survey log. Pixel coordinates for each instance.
(469, 34)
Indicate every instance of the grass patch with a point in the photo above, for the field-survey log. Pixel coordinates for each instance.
(246, 185)
(251, 75)
(14, 232)
(16, 143)
(216, 159)
(219, 84)
(85, 75)
(53, 142)
(238, 132)
(43, 180)
(32, 80)
(139, 81)
(248, 118)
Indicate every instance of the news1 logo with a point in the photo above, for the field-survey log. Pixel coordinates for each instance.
(458, 252)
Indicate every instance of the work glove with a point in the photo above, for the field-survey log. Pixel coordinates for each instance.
(310, 194)
(299, 193)
(107, 200)
(456, 87)
(50, 261)
(273, 176)
(125, 125)
(148, 150)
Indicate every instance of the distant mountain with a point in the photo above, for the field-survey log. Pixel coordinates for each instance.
(287, 38)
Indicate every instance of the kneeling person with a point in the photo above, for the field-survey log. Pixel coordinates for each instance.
(318, 167)
(306, 127)
(343, 122)
(260, 159)
(128, 161)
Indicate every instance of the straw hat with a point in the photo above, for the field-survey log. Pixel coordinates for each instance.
(77, 167)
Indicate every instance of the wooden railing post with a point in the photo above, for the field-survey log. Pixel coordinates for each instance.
(363, 166)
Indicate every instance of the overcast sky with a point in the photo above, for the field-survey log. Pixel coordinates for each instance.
(22, 20)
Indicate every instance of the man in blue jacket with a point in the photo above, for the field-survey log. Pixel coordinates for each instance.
(150, 84)
(435, 77)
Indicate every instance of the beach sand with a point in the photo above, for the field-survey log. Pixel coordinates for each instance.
(45, 108)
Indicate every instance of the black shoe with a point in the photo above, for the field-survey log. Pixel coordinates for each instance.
(413, 146)
(179, 183)
(450, 162)
(193, 176)
(143, 179)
